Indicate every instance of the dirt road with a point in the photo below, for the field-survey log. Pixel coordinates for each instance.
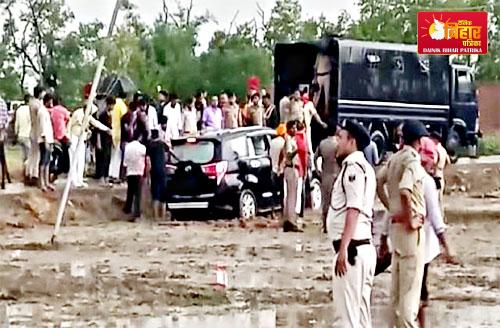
(106, 272)
(118, 274)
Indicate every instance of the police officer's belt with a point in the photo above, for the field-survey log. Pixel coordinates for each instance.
(352, 250)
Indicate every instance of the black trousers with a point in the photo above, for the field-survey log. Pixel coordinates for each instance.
(303, 197)
(134, 189)
(424, 293)
(103, 158)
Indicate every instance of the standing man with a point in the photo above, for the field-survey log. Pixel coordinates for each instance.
(134, 160)
(4, 123)
(270, 113)
(163, 99)
(230, 112)
(371, 153)
(442, 161)
(45, 142)
(105, 142)
(77, 151)
(404, 176)
(291, 177)
(255, 111)
(141, 124)
(190, 118)
(23, 129)
(303, 154)
(310, 113)
(329, 169)
(4, 119)
(350, 228)
(156, 158)
(212, 116)
(277, 162)
(152, 114)
(296, 107)
(173, 113)
(200, 103)
(60, 117)
(119, 110)
(34, 154)
(284, 109)
(322, 70)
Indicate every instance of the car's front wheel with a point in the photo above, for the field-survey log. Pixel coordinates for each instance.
(247, 205)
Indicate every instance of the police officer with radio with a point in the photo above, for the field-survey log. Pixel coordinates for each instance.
(349, 224)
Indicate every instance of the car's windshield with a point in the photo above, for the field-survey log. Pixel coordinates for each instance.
(201, 152)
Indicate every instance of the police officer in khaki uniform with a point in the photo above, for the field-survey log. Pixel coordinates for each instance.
(403, 176)
(291, 177)
(350, 228)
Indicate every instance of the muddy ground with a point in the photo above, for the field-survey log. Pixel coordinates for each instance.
(105, 272)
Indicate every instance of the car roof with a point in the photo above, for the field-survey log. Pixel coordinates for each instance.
(232, 133)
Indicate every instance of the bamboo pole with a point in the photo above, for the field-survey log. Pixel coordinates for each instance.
(97, 77)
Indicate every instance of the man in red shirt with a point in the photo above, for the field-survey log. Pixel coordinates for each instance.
(60, 116)
(302, 152)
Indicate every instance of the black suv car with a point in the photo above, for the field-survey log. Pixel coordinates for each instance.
(225, 170)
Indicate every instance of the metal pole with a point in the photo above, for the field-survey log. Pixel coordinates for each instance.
(97, 77)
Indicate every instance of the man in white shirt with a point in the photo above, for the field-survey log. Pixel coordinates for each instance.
(134, 161)
(434, 225)
(22, 129)
(349, 224)
(77, 152)
(153, 118)
(441, 162)
(45, 142)
(173, 113)
(33, 163)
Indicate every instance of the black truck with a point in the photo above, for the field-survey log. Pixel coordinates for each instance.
(380, 85)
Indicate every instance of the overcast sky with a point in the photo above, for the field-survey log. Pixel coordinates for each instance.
(223, 10)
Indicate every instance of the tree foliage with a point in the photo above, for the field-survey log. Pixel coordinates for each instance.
(37, 43)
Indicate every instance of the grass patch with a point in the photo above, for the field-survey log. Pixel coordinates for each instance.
(489, 145)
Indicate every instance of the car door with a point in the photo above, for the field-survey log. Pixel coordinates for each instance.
(260, 166)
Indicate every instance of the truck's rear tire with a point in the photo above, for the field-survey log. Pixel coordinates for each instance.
(379, 139)
(452, 145)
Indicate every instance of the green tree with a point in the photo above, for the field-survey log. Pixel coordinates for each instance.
(284, 25)
(33, 33)
(316, 28)
(9, 79)
(75, 60)
(233, 57)
(38, 36)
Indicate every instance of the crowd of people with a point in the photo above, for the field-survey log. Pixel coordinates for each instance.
(124, 134)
